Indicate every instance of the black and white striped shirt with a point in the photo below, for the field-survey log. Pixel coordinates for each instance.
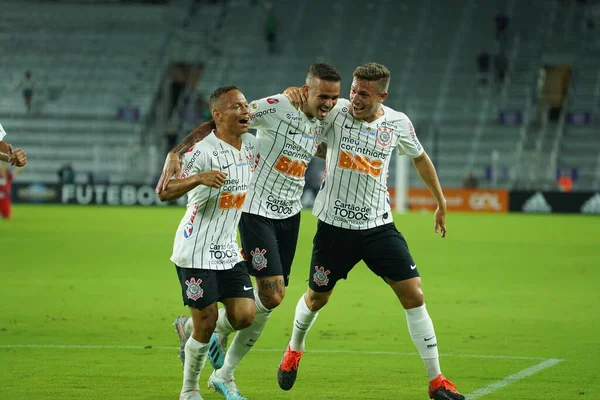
(354, 191)
(206, 237)
(287, 141)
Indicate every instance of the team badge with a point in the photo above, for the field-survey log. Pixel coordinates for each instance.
(259, 261)
(321, 277)
(188, 229)
(384, 136)
(194, 291)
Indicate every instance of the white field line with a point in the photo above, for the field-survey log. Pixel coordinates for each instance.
(371, 352)
(484, 391)
(527, 372)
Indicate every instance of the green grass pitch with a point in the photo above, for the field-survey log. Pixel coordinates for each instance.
(506, 293)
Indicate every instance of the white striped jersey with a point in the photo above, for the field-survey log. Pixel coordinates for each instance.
(354, 191)
(287, 141)
(206, 237)
(2, 132)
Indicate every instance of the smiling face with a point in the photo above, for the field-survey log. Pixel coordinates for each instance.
(231, 112)
(322, 96)
(366, 100)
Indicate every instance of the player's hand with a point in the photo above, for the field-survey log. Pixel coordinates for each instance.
(214, 179)
(440, 221)
(172, 167)
(17, 158)
(296, 96)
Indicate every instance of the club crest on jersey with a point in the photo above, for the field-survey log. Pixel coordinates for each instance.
(259, 261)
(188, 229)
(194, 291)
(321, 276)
(384, 136)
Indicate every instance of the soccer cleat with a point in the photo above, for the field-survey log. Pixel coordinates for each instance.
(217, 347)
(191, 395)
(288, 368)
(179, 325)
(442, 389)
(226, 387)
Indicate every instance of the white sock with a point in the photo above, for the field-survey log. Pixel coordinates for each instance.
(195, 358)
(422, 333)
(260, 309)
(242, 343)
(303, 321)
(223, 326)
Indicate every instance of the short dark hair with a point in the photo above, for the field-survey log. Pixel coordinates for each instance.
(217, 93)
(374, 72)
(325, 72)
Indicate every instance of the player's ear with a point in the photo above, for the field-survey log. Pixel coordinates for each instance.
(216, 115)
(383, 96)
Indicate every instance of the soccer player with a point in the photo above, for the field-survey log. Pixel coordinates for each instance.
(208, 260)
(17, 158)
(355, 220)
(6, 179)
(288, 139)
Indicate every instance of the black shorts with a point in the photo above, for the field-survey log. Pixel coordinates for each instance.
(202, 287)
(269, 244)
(336, 251)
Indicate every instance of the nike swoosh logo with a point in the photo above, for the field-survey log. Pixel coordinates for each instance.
(348, 126)
(247, 288)
(227, 166)
(413, 266)
(428, 339)
(294, 133)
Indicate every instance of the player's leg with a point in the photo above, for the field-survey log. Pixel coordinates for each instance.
(200, 293)
(259, 241)
(387, 255)
(272, 245)
(238, 299)
(335, 252)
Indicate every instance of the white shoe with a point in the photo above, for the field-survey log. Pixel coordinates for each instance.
(226, 387)
(192, 395)
(179, 325)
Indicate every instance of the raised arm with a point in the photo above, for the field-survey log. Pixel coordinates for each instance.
(427, 172)
(172, 164)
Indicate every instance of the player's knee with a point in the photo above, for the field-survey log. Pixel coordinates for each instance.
(273, 300)
(412, 299)
(316, 301)
(242, 321)
(203, 330)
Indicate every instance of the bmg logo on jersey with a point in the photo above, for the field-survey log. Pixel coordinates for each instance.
(358, 163)
(295, 168)
(228, 200)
